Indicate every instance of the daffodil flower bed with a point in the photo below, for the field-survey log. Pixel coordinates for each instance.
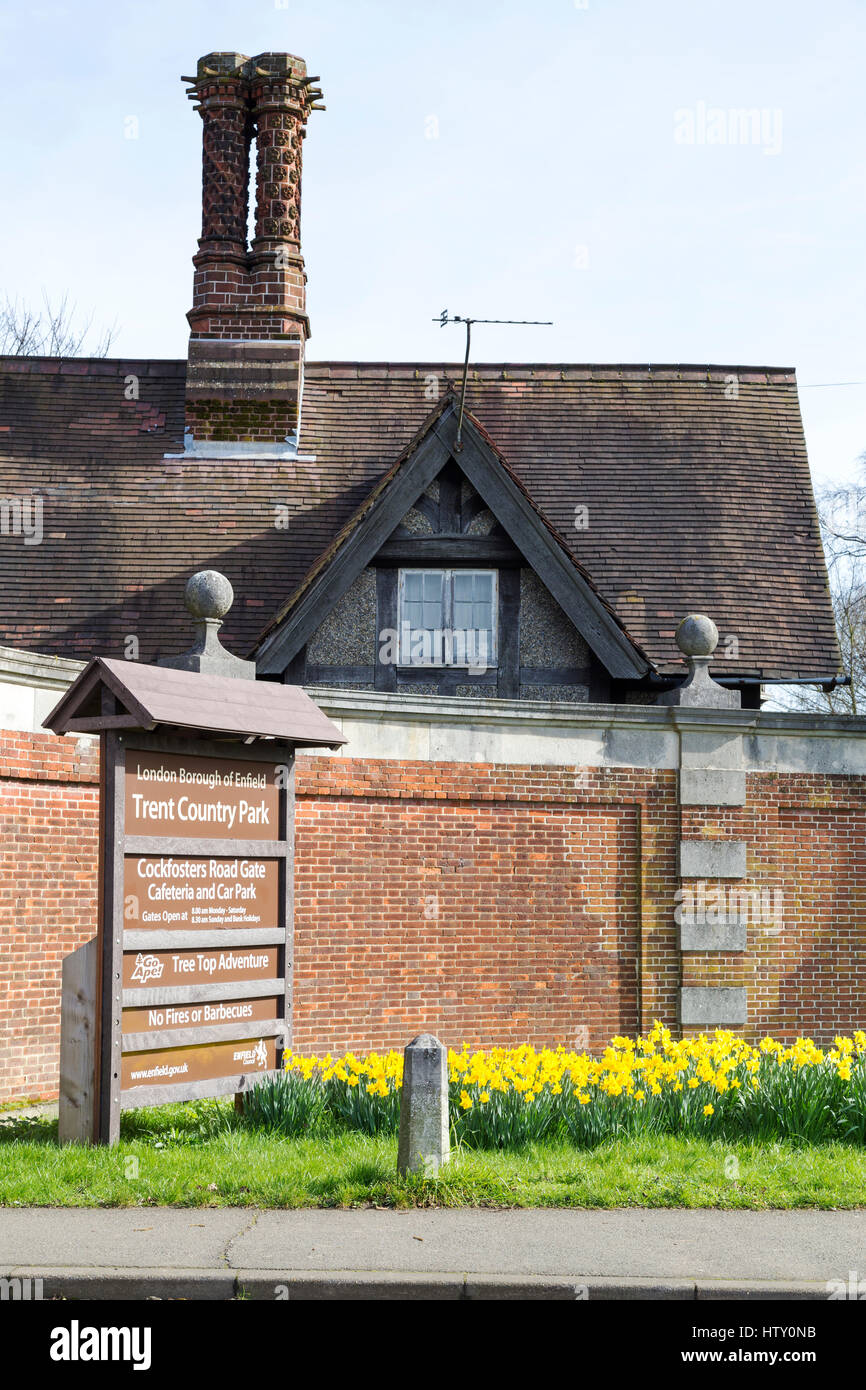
(716, 1087)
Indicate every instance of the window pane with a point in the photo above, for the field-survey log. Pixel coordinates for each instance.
(432, 615)
(463, 586)
(483, 587)
(413, 614)
(473, 615)
(412, 586)
(462, 615)
(482, 614)
(421, 611)
(433, 587)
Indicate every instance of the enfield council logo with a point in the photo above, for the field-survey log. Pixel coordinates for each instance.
(253, 1056)
(147, 967)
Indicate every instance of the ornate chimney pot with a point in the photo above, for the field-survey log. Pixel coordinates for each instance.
(248, 321)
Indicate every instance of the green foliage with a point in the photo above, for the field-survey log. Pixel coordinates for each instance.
(356, 1108)
(288, 1104)
(505, 1121)
(798, 1095)
(244, 1166)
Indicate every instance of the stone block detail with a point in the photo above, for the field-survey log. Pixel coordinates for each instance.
(698, 933)
(712, 859)
(712, 787)
(712, 1006)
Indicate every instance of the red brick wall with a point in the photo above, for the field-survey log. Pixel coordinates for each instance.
(49, 828)
(492, 904)
(497, 906)
(805, 963)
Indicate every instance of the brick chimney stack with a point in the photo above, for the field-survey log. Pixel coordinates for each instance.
(248, 322)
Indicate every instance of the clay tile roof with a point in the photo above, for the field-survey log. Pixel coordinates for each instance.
(696, 501)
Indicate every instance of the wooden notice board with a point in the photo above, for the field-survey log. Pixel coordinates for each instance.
(186, 990)
(195, 924)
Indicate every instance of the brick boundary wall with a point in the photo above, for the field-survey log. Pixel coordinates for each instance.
(49, 835)
(493, 903)
(490, 904)
(804, 966)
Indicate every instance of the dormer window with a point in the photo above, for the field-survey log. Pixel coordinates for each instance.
(448, 618)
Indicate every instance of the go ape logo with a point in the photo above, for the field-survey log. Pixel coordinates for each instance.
(147, 967)
(21, 1290)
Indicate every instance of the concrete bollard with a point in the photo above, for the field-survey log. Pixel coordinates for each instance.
(424, 1144)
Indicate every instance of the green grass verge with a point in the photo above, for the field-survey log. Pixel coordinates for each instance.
(200, 1156)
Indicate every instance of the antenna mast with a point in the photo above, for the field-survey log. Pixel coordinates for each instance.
(444, 318)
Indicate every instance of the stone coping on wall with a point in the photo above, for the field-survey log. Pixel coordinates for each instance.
(36, 669)
(468, 729)
(452, 728)
(30, 686)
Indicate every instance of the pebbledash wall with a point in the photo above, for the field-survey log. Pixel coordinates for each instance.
(498, 872)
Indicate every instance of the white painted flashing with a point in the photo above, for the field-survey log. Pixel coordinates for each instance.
(252, 453)
(284, 450)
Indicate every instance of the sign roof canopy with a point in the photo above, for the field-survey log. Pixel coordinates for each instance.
(151, 697)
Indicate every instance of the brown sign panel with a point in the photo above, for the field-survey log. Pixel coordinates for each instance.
(205, 1014)
(219, 965)
(176, 1066)
(186, 891)
(201, 798)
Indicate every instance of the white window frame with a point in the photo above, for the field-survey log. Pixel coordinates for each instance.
(404, 645)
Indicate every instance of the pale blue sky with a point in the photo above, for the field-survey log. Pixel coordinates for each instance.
(555, 186)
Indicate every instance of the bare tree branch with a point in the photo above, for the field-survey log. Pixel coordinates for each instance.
(49, 332)
(842, 514)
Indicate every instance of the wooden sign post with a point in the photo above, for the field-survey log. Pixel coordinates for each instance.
(192, 993)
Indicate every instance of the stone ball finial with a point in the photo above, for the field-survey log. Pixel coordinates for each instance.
(697, 635)
(209, 594)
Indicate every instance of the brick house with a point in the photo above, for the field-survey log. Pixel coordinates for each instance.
(532, 833)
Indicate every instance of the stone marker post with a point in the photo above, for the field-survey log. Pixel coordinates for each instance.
(424, 1144)
(78, 1045)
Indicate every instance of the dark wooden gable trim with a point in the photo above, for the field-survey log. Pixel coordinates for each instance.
(91, 704)
(329, 587)
(554, 567)
(478, 551)
(511, 508)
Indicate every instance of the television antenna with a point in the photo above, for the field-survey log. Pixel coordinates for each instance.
(444, 318)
